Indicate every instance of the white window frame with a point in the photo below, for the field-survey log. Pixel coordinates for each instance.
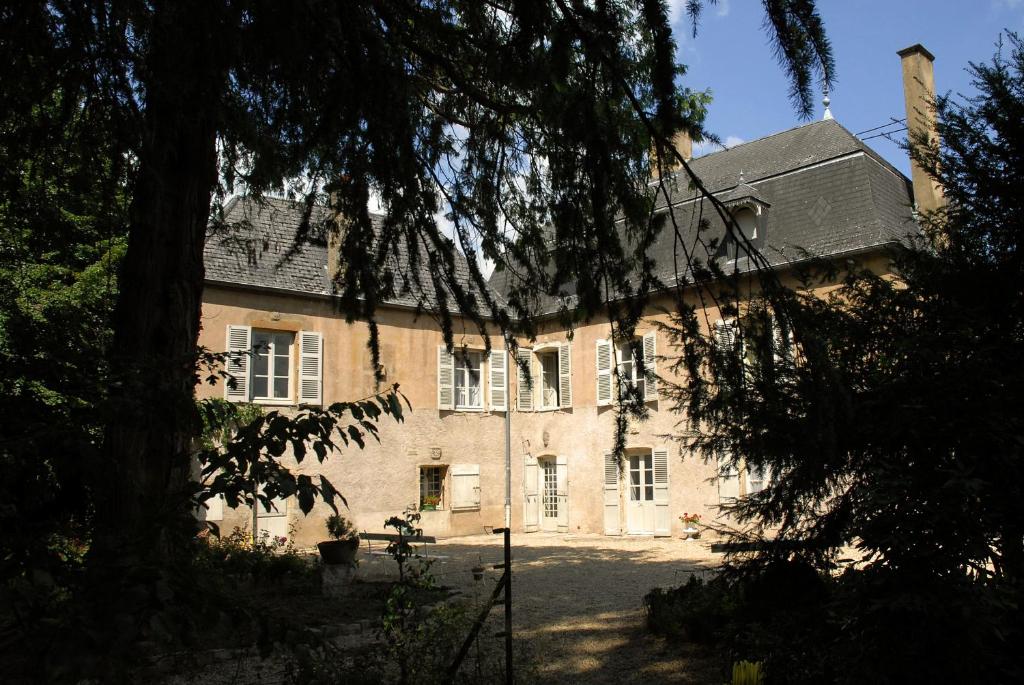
(633, 378)
(550, 354)
(442, 470)
(272, 355)
(462, 370)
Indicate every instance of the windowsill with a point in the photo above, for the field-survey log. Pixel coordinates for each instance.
(475, 410)
(459, 509)
(281, 402)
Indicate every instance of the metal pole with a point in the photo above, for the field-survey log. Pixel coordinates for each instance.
(508, 441)
(508, 607)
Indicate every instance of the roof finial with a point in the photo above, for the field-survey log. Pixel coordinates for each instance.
(826, 101)
(742, 180)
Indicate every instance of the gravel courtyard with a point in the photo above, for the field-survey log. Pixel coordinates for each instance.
(577, 601)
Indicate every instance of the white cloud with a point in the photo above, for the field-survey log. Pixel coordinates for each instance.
(706, 148)
(723, 8)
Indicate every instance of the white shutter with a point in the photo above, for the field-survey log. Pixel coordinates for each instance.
(650, 379)
(662, 523)
(611, 495)
(524, 387)
(725, 335)
(604, 372)
(531, 510)
(562, 492)
(445, 379)
(239, 349)
(498, 374)
(213, 509)
(311, 364)
(465, 486)
(782, 338)
(728, 480)
(564, 376)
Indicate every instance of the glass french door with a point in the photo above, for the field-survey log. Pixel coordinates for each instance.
(640, 507)
(549, 495)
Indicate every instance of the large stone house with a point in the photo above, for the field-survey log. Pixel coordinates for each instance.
(815, 189)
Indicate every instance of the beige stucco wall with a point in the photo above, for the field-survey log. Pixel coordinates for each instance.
(383, 479)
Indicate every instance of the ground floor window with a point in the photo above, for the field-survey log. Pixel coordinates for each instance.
(432, 487)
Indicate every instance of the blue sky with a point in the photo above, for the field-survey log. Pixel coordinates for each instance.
(732, 57)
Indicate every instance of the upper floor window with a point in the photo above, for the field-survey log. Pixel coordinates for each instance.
(266, 364)
(468, 382)
(544, 377)
(548, 379)
(272, 365)
(745, 236)
(635, 373)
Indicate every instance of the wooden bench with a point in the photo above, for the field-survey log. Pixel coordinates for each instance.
(394, 537)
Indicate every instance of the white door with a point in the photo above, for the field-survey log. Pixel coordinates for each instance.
(549, 499)
(273, 521)
(640, 508)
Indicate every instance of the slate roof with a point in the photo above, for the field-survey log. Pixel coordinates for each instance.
(258, 246)
(825, 192)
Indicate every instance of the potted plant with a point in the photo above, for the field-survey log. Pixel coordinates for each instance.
(690, 522)
(430, 503)
(344, 543)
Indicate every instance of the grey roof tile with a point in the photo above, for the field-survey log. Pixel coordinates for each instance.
(260, 245)
(826, 193)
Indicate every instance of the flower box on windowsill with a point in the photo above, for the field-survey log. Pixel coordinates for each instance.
(428, 507)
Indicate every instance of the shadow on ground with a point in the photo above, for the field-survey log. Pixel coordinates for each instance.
(577, 603)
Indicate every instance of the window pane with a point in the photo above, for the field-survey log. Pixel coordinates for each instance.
(281, 387)
(259, 386)
(261, 363)
(649, 493)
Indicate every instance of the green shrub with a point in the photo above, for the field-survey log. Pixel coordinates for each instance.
(695, 612)
(267, 559)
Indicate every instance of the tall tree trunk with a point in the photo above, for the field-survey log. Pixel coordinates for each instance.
(144, 471)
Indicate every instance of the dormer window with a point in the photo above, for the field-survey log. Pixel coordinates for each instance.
(746, 220)
(749, 214)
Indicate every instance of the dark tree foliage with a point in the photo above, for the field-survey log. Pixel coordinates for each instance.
(528, 124)
(63, 221)
(894, 423)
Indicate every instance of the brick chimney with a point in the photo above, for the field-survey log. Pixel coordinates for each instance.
(683, 145)
(919, 96)
(335, 232)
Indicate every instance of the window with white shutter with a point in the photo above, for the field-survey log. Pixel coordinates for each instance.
(604, 372)
(564, 376)
(524, 373)
(271, 372)
(239, 351)
(465, 486)
(311, 346)
(445, 379)
(650, 360)
(549, 390)
(498, 370)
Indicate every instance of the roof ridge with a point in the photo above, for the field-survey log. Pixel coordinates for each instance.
(763, 138)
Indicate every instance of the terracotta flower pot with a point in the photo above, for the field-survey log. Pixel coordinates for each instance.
(339, 551)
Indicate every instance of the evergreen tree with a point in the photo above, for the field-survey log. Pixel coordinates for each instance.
(895, 425)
